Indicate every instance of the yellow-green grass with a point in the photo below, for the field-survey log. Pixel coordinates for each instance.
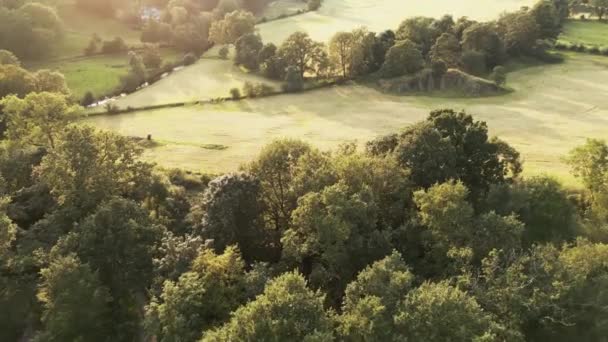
(209, 78)
(280, 8)
(553, 109)
(588, 32)
(380, 15)
(97, 74)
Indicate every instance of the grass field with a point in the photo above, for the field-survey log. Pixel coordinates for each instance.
(98, 74)
(379, 15)
(589, 32)
(553, 109)
(209, 78)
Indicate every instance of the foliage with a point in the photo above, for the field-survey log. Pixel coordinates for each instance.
(403, 58)
(232, 27)
(287, 310)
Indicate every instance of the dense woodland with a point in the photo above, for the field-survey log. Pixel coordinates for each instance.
(427, 234)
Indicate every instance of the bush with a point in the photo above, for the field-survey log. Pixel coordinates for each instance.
(111, 108)
(594, 50)
(189, 59)
(314, 5)
(256, 90)
(235, 93)
(474, 62)
(293, 80)
(151, 58)
(499, 75)
(116, 45)
(88, 99)
(224, 52)
(439, 68)
(604, 51)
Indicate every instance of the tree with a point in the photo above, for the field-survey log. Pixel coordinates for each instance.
(275, 168)
(87, 167)
(340, 50)
(232, 27)
(600, 7)
(151, 58)
(201, 299)
(446, 48)
(7, 57)
(16, 81)
(332, 237)
(403, 58)
(371, 301)
(474, 62)
(224, 51)
(519, 31)
(293, 80)
(301, 52)
(484, 38)
(451, 145)
(51, 81)
(419, 30)
(434, 311)
(75, 303)
(287, 310)
(233, 215)
(38, 119)
(247, 49)
(548, 18)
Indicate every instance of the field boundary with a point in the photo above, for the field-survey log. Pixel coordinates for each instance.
(215, 100)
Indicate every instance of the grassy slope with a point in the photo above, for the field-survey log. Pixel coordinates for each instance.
(98, 74)
(553, 109)
(590, 32)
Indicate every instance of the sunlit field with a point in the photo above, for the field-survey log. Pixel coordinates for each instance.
(380, 15)
(552, 109)
(590, 32)
(209, 78)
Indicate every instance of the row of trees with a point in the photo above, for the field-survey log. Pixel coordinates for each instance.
(418, 43)
(427, 233)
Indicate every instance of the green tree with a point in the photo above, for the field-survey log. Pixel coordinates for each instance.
(403, 58)
(340, 51)
(201, 299)
(519, 31)
(371, 301)
(233, 215)
(287, 310)
(88, 167)
(484, 38)
(233, 26)
(419, 30)
(75, 303)
(247, 49)
(434, 311)
(300, 51)
(51, 81)
(38, 119)
(548, 18)
(446, 48)
(600, 7)
(16, 81)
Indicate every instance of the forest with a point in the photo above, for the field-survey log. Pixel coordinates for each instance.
(433, 231)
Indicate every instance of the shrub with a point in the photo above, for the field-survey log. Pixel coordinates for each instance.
(116, 45)
(189, 59)
(111, 108)
(151, 58)
(235, 93)
(224, 52)
(314, 5)
(293, 80)
(88, 99)
(474, 62)
(499, 75)
(604, 51)
(439, 68)
(594, 50)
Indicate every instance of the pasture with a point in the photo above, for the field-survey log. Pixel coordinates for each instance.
(99, 74)
(379, 15)
(588, 32)
(553, 109)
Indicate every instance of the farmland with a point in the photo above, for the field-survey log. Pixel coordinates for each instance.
(552, 109)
